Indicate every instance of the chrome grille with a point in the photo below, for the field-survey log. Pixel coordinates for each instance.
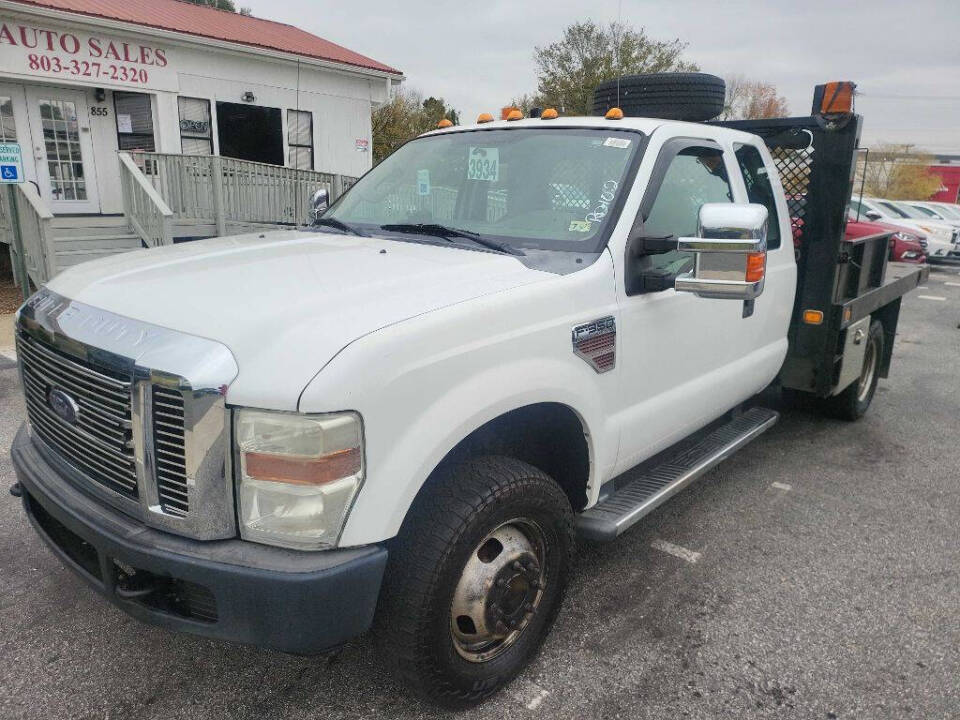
(168, 446)
(100, 443)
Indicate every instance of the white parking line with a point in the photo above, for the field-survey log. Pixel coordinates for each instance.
(950, 284)
(781, 486)
(681, 552)
(931, 297)
(922, 287)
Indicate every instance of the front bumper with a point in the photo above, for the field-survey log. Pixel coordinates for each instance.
(289, 600)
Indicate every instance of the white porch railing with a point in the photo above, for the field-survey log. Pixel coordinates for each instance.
(39, 252)
(146, 211)
(217, 191)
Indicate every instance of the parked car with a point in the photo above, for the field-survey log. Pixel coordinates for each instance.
(905, 246)
(402, 416)
(942, 238)
(933, 210)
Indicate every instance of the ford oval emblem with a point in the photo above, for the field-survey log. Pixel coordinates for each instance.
(63, 406)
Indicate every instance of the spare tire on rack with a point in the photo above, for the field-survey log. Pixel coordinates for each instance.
(694, 97)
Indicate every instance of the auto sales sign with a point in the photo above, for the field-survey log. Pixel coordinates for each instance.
(67, 54)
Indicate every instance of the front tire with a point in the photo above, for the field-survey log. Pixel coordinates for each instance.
(476, 579)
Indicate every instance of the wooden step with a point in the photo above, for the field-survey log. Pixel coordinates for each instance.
(84, 221)
(98, 242)
(65, 260)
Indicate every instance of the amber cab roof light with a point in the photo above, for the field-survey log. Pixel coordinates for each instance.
(549, 114)
(515, 115)
(484, 118)
(614, 114)
(445, 123)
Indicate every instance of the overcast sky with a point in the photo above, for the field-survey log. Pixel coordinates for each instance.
(904, 56)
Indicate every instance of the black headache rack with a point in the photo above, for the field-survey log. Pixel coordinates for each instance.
(846, 281)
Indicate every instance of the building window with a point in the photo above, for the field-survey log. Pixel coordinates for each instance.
(8, 128)
(300, 139)
(250, 132)
(134, 121)
(196, 137)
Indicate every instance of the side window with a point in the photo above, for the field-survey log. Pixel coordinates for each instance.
(759, 189)
(696, 175)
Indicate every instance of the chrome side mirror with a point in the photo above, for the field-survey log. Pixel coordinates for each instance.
(730, 250)
(319, 203)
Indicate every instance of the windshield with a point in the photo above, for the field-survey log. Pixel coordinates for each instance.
(890, 209)
(948, 212)
(909, 211)
(926, 212)
(550, 188)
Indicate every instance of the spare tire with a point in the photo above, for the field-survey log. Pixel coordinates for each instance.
(672, 96)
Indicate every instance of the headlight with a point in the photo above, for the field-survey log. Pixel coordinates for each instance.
(936, 231)
(298, 475)
(907, 237)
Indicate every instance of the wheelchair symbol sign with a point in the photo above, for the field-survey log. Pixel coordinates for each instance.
(11, 165)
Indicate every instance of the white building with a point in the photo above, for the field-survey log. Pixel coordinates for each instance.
(81, 81)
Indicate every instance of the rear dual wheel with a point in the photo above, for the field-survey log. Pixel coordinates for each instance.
(854, 401)
(476, 579)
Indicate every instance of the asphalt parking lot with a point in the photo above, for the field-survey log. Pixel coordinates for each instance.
(814, 575)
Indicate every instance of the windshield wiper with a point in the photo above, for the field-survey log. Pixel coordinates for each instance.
(339, 225)
(449, 232)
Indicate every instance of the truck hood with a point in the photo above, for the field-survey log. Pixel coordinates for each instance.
(286, 302)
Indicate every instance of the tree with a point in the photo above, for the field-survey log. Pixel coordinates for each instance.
(897, 172)
(221, 5)
(751, 99)
(436, 109)
(405, 117)
(570, 69)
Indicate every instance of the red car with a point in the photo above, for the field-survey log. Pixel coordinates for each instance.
(905, 246)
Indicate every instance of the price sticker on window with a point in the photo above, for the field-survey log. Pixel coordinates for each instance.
(483, 164)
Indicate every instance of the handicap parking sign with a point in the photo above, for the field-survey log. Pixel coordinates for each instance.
(11, 164)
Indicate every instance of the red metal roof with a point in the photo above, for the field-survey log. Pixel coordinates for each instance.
(184, 17)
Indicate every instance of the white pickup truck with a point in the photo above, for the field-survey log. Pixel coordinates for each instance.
(402, 417)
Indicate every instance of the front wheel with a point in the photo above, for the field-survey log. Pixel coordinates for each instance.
(853, 402)
(476, 579)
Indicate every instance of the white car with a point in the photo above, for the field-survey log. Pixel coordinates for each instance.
(938, 211)
(941, 237)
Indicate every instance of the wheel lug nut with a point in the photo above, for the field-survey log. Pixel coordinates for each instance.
(501, 582)
(517, 566)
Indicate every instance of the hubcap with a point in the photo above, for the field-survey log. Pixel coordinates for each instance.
(499, 590)
(869, 370)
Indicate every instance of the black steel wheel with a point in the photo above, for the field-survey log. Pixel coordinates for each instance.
(694, 97)
(475, 579)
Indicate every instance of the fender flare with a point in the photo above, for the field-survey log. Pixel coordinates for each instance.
(396, 476)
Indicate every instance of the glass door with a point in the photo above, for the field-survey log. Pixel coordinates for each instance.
(63, 150)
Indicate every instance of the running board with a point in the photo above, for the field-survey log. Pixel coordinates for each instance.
(654, 486)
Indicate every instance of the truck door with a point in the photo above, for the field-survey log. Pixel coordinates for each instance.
(686, 360)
